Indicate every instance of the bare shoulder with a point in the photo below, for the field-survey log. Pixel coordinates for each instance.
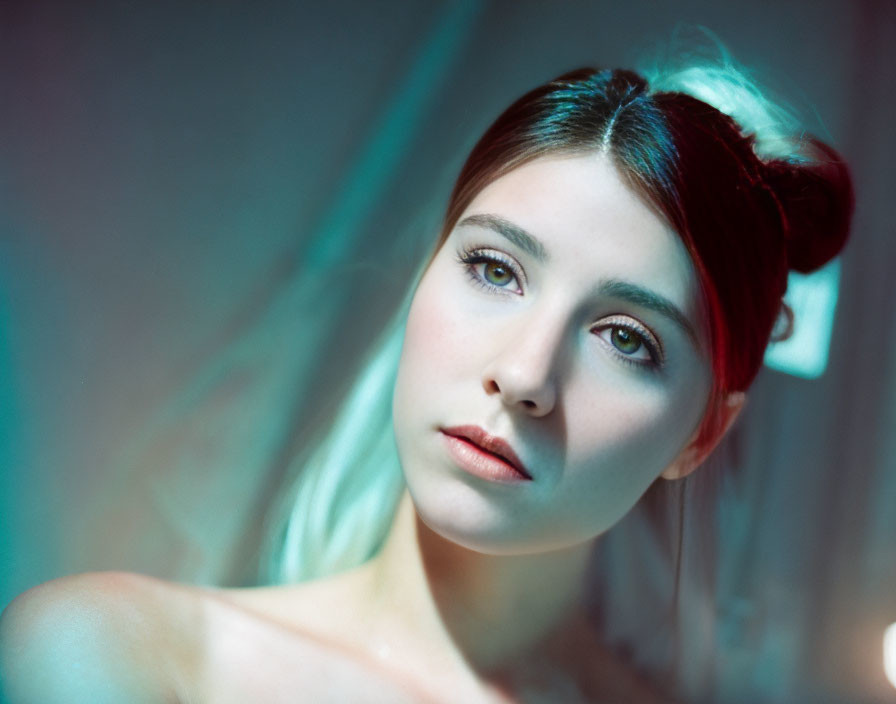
(99, 637)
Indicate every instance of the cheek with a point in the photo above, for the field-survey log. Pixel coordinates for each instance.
(617, 431)
(618, 444)
(429, 358)
(629, 423)
(428, 327)
(439, 336)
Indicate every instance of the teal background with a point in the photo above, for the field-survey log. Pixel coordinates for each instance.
(207, 210)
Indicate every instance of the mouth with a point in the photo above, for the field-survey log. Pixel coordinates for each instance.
(482, 452)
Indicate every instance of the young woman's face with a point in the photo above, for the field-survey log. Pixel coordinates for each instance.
(560, 316)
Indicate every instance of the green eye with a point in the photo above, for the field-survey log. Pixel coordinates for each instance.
(491, 271)
(626, 341)
(497, 274)
(630, 342)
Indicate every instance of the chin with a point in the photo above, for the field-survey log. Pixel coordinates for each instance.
(462, 515)
(473, 520)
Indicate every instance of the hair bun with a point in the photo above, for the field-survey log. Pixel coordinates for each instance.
(817, 197)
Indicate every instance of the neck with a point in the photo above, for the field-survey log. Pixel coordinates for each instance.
(489, 610)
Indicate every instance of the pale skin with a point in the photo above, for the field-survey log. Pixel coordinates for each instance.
(477, 593)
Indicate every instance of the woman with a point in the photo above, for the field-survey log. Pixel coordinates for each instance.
(612, 265)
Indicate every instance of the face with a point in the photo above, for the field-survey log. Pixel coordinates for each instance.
(560, 316)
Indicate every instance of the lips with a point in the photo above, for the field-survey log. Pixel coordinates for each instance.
(489, 443)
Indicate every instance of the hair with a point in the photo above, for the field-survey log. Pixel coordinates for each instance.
(750, 196)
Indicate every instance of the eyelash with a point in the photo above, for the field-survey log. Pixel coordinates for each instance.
(649, 341)
(472, 257)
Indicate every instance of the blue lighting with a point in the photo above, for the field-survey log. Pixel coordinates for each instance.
(813, 298)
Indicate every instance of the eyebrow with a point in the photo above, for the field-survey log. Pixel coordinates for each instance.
(514, 233)
(645, 298)
(613, 288)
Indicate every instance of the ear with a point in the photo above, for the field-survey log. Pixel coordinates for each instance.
(693, 456)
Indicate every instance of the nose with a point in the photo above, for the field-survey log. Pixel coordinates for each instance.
(524, 371)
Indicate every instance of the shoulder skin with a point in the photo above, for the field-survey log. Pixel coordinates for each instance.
(103, 638)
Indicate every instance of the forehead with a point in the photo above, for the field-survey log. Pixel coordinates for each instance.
(592, 224)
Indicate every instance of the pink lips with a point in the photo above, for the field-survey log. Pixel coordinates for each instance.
(485, 455)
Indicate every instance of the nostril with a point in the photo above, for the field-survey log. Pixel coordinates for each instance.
(529, 404)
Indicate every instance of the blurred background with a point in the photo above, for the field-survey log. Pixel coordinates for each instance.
(208, 210)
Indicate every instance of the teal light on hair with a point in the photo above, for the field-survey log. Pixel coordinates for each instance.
(347, 491)
(707, 71)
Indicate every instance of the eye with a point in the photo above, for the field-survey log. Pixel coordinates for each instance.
(630, 342)
(626, 341)
(496, 273)
(491, 271)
